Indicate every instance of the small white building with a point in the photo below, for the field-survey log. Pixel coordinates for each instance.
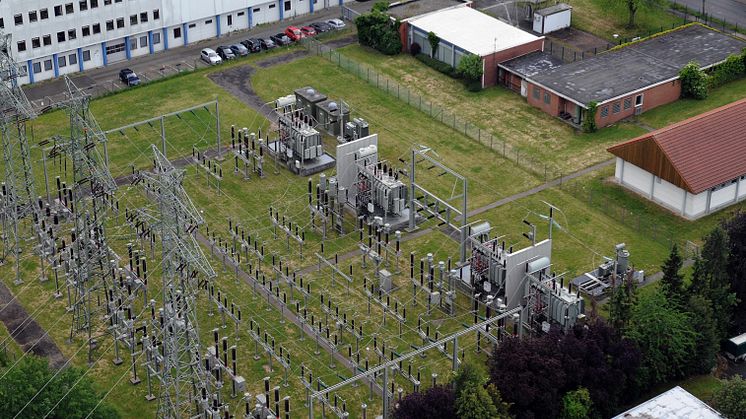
(676, 403)
(552, 18)
(693, 167)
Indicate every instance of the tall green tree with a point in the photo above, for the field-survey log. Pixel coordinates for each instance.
(693, 81)
(711, 280)
(672, 282)
(576, 404)
(621, 303)
(707, 343)
(473, 401)
(736, 231)
(666, 336)
(730, 398)
(69, 394)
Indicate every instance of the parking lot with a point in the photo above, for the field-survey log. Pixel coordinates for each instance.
(100, 81)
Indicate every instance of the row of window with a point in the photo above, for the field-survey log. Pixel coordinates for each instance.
(60, 10)
(537, 95)
(62, 61)
(87, 30)
(616, 107)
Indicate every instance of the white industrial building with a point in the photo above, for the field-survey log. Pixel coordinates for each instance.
(675, 403)
(552, 18)
(55, 37)
(694, 167)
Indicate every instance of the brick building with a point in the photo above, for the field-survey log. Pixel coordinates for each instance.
(463, 30)
(623, 82)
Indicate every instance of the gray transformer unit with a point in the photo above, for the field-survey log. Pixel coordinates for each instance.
(332, 116)
(306, 99)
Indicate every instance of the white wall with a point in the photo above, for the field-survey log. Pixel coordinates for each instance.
(172, 14)
(674, 198)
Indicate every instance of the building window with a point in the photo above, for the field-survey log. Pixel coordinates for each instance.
(72, 59)
(2, 23)
(47, 40)
(256, 9)
(240, 14)
(287, 5)
(143, 17)
(177, 33)
(61, 61)
(83, 5)
(192, 25)
(616, 107)
(113, 49)
(107, 2)
(18, 19)
(208, 22)
(627, 103)
(638, 100)
(33, 16)
(58, 10)
(272, 6)
(61, 36)
(156, 14)
(72, 34)
(37, 68)
(35, 42)
(547, 98)
(21, 46)
(120, 23)
(156, 38)
(94, 4)
(96, 28)
(87, 55)
(537, 93)
(133, 43)
(86, 30)
(109, 25)
(47, 65)
(44, 14)
(143, 41)
(133, 20)
(69, 8)
(604, 112)
(230, 20)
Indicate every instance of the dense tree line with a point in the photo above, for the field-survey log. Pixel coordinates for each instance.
(378, 30)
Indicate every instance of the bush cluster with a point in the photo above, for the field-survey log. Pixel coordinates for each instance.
(377, 30)
(438, 65)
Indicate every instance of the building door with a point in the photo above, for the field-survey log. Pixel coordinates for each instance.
(524, 88)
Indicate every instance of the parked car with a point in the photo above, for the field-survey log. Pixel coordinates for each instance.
(129, 77)
(253, 44)
(336, 23)
(209, 56)
(321, 27)
(239, 50)
(267, 43)
(308, 31)
(225, 53)
(294, 33)
(281, 39)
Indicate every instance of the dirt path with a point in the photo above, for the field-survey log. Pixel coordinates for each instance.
(26, 331)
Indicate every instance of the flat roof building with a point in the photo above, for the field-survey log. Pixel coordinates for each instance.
(463, 30)
(676, 403)
(625, 81)
(693, 167)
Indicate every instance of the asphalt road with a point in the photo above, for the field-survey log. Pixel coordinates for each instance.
(731, 11)
(149, 67)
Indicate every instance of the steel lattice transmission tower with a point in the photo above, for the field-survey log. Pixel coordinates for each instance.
(186, 388)
(18, 201)
(89, 276)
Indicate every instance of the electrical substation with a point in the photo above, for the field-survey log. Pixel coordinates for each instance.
(233, 270)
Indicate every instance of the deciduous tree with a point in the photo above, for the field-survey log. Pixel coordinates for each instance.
(730, 399)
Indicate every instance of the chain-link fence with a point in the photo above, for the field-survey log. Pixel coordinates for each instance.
(435, 111)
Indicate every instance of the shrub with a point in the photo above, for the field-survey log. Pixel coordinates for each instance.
(377, 30)
(731, 69)
(730, 399)
(415, 49)
(437, 65)
(589, 123)
(470, 67)
(434, 41)
(693, 81)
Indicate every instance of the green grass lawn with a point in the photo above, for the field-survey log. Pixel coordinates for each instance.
(528, 131)
(605, 18)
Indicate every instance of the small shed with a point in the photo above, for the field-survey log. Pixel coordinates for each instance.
(306, 99)
(332, 116)
(552, 18)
